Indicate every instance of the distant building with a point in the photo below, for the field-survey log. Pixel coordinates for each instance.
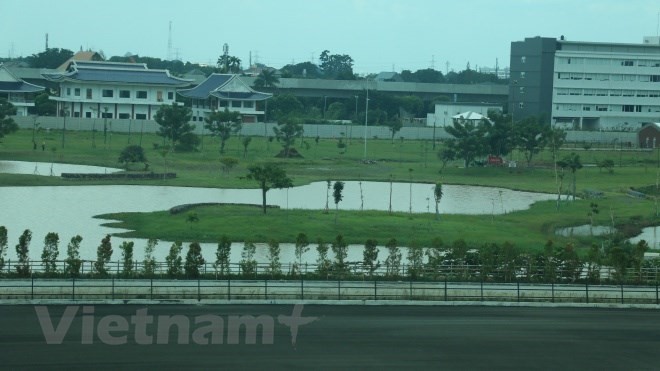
(586, 85)
(220, 91)
(388, 76)
(85, 56)
(445, 113)
(649, 136)
(17, 92)
(113, 90)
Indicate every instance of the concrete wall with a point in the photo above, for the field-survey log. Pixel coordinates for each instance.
(323, 131)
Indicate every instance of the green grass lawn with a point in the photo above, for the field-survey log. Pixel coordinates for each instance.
(401, 160)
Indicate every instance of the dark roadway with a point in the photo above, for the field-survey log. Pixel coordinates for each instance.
(356, 337)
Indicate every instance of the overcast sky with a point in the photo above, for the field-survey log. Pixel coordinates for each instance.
(380, 35)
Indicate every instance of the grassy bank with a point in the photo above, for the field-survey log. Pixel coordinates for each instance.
(399, 160)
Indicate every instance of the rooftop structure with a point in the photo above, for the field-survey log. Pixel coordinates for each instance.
(17, 92)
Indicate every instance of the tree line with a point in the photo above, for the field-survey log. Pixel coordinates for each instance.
(458, 260)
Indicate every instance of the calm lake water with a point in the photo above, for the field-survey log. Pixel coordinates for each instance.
(69, 210)
(50, 169)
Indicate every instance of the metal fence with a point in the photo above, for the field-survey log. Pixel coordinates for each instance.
(227, 289)
(649, 274)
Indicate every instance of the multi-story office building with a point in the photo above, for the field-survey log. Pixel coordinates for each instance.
(113, 90)
(586, 85)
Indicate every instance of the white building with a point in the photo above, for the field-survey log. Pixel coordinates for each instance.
(114, 90)
(586, 85)
(220, 91)
(17, 92)
(444, 113)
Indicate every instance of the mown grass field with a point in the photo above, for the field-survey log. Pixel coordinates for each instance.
(401, 160)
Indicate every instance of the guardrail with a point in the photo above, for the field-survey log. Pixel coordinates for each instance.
(127, 289)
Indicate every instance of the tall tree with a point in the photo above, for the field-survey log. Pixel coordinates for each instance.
(393, 261)
(530, 137)
(50, 252)
(23, 254)
(194, 260)
(415, 259)
(222, 124)
(301, 247)
(266, 79)
(338, 188)
(274, 265)
(268, 176)
(103, 256)
(340, 249)
(500, 134)
(7, 124)
(44, 105)
(248, 263)
(322, 261)
(3, 246)
(149, 263)
(174, 122)
(286, 131)
(571, 162)
(370, 256)
(174, 260)
(468, 142)
(336, 66)
(437, 195)
(73, 262)
(222, 254)
(126, 248)
(229, 64)
(50, 58)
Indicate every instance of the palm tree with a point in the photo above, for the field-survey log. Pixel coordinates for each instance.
(437, 194)
(229, 64)
(266, 79)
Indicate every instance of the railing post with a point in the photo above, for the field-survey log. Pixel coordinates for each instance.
(621, 292)
(32, 288)
(553, 292)
(445, 287)
(151, 289)
(338, 289)
(229, 288)
(411, 289)
(113, 289)
(199, 291)
(656, 292)
(302, 287)
(586, 286)
(266, 288)
(73, 288)
(518, 288)
(375, 290)
(482, 290)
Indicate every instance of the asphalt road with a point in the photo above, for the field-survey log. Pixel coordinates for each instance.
(341, 337)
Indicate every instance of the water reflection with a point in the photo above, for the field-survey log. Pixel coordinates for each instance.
(50, 168)
(68, 210)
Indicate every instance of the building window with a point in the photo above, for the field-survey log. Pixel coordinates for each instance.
(628, 93)
(89, 93)
(522, 75)
(627, 63)
(170, 95)
(194, 118)
(141, 94)
(628, 108)
(76, 92)
(655, 78)
(106, 115)
(141, 116)
(68, 91)
(521, 105)
(107, 93)
(223, 103)
(248, 104)
(601, 108)
(638, 108)
(124, 116)
(88, 115)
(76, 114)
(124, 94)
(236, 103)
(523, 59)
(159, 96)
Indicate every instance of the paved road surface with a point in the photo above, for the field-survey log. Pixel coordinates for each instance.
(354, 337)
